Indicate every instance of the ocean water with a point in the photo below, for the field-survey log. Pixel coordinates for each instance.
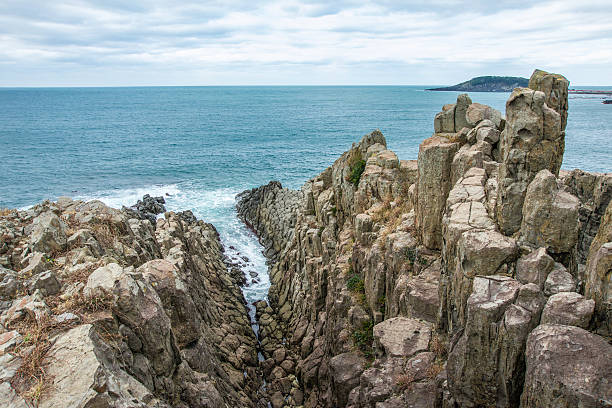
(201, 146)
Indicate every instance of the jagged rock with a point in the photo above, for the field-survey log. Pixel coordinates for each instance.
(345, 371)
(568, 308)
(47, 283)
(463, 103)
(48, 233)
(555, 88)
(485, 365)
(594, 190)
(550, 215)
(598, 274)
(36, 263)
(147, 209)
(535, 267)
(82, 375)
(444, 122)
(477, 112)
(401, 337)
(532, 140)
(10, 285)
(435, 160)
(102, 280)
(567, 367)
(559, 280)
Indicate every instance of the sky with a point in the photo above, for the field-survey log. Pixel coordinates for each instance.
(300, 42)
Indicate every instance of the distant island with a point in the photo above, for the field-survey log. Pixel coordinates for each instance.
(487, 84)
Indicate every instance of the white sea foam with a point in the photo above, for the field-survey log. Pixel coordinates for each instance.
(215, 206)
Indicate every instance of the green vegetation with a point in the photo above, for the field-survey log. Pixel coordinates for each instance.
(381, 303)
(357, 166)
(363, 338)
(355, 284)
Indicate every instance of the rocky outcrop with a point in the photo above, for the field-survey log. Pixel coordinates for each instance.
(533, 140)
(117, 313)
(424, 283)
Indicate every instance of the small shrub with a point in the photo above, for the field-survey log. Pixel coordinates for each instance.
(356, 172)
(356, 284)
(363, 338)
(356, 167)
(411, 254)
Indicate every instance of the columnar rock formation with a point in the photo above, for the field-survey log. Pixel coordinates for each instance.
(475, 276)
(443, 282)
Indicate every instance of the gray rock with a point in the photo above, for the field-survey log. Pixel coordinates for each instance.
(345, 371)
(567, 367)
(401, 337)
(48, 233)
(535, 267)
(47, 283)
(559, 280)
(550, 215)
(568, 308)
(463, 103)
(533, 139)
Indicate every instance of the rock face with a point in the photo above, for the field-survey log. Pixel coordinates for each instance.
(123, 315)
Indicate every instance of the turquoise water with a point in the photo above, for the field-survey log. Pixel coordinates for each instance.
(202, 145)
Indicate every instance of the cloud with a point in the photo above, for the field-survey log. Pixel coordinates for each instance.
(102, 42)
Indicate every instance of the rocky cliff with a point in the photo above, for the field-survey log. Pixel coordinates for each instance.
(103, 308)
(475, 276)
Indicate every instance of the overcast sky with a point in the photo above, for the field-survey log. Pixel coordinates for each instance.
(278, 42)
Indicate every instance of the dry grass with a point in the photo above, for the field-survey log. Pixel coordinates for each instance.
(434, 369)
(31, 380)
(389, 213)
(81, 275)
(404, 382)
(438, 346)
(5, 212)
(80, 304)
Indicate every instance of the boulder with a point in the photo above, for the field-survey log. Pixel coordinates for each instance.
(48, 233)
(567, 367)
(102, 280)
(559, 280)
(550, 215)
(477, 112)
(444, 122)
(568, 308)
(534, 267)
(463, 103)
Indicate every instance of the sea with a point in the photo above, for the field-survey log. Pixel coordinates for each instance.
(200, 146)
